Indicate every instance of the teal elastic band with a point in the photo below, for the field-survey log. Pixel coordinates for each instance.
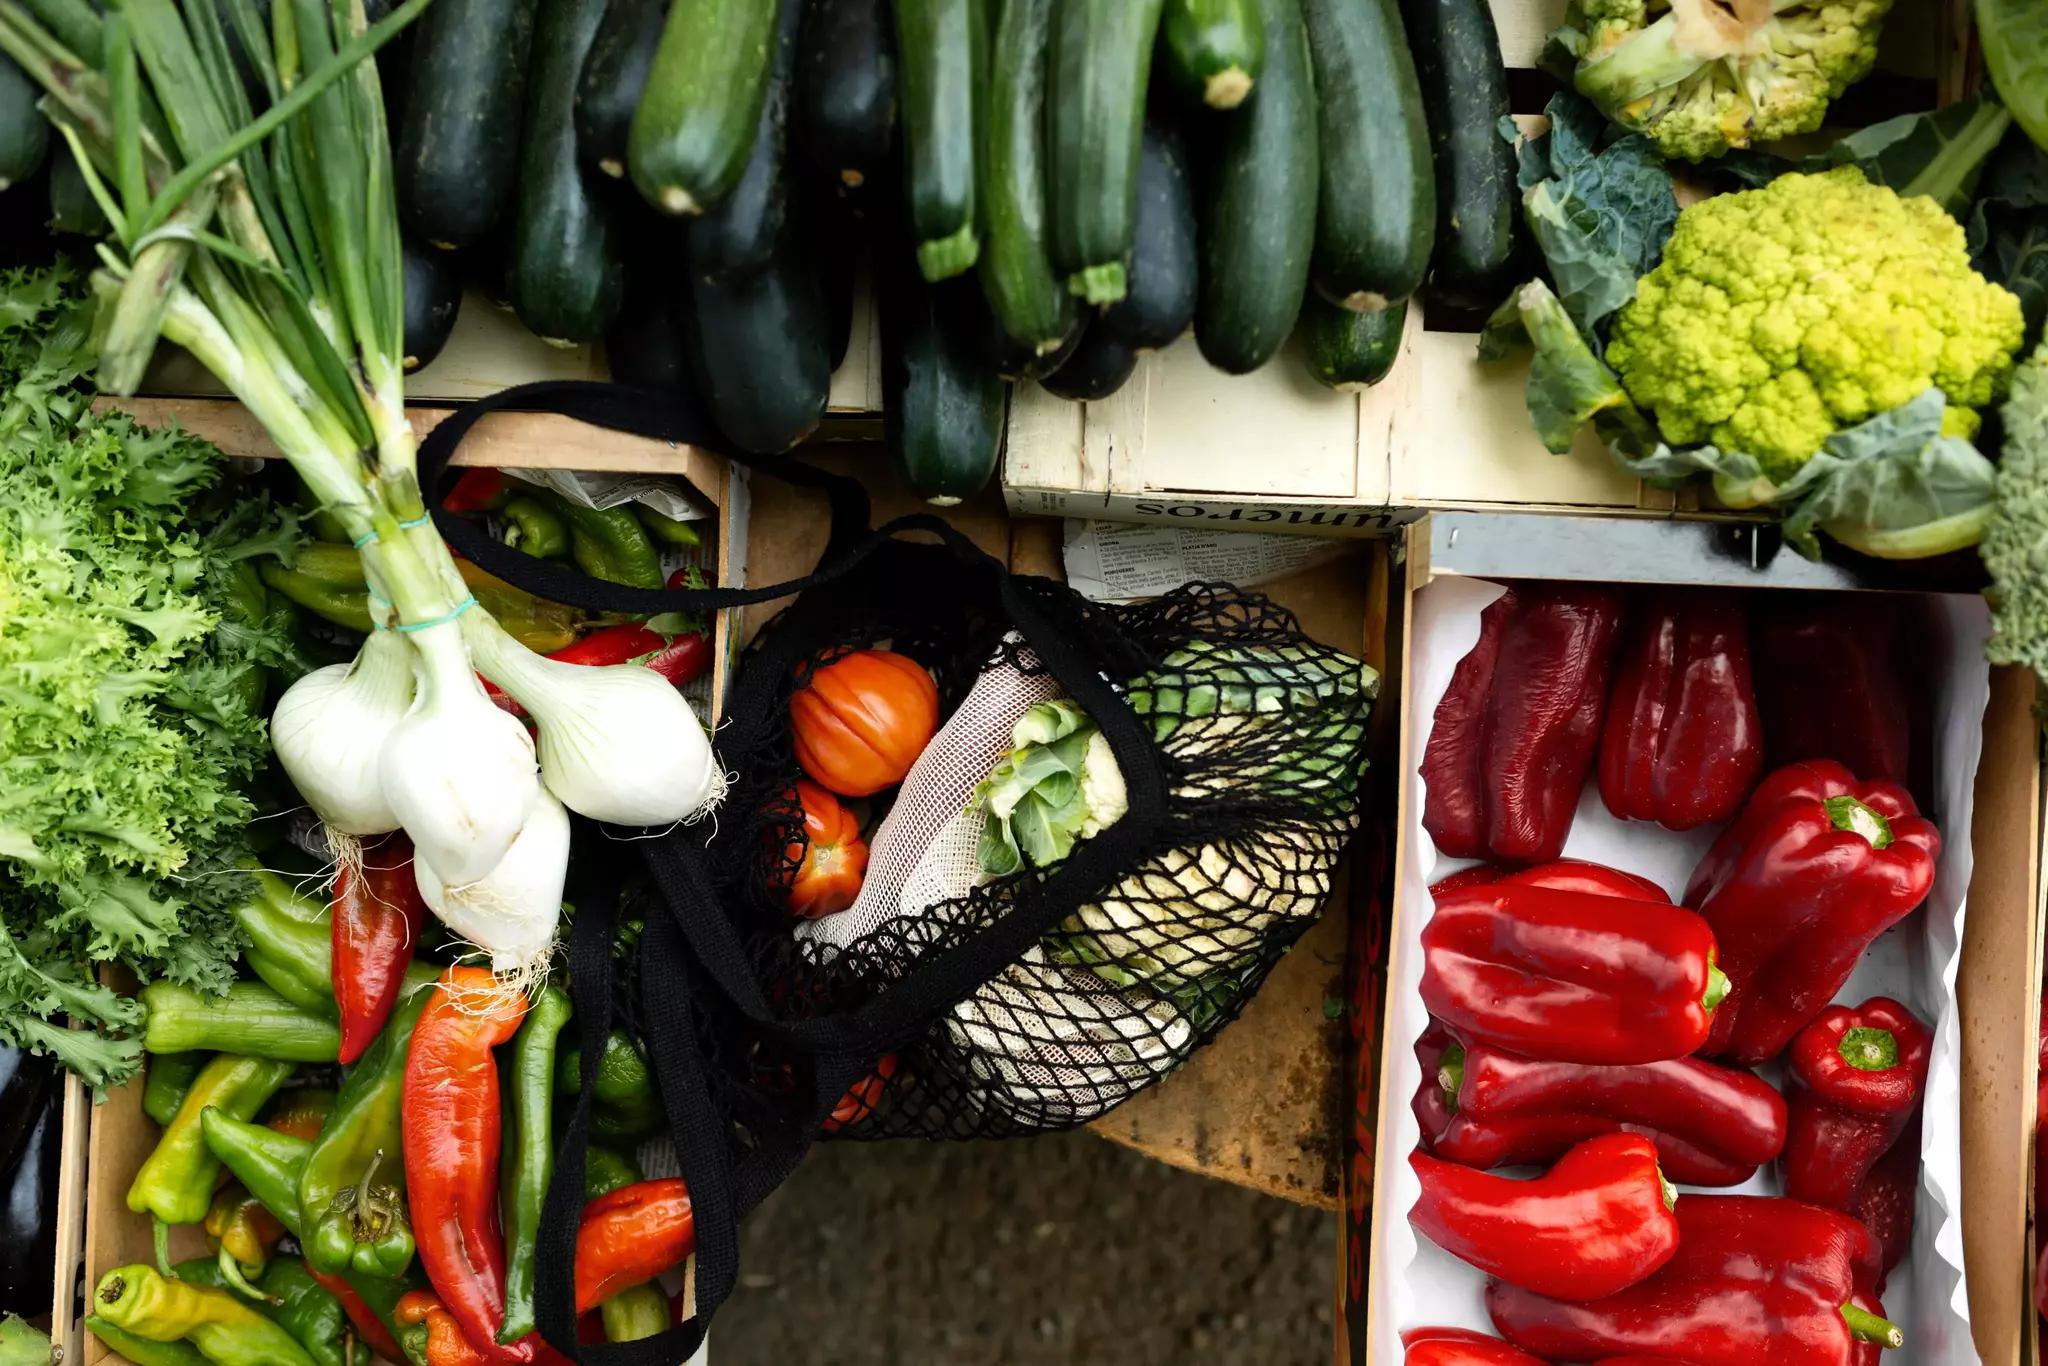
(364, 539)
(467, 602)
(416, 522)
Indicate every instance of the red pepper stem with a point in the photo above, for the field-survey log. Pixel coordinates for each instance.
(1846, 813)
(1865, 1326)
(1450, 1074)
(1870, 1050)
(1670, 1191)
(231, 1272)
(1717, 986)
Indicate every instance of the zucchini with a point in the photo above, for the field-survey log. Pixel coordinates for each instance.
(1160, 303)
(761, 350)
(1028, 298)
(942, 65)
(1258, 217)
(736, 236)
(1347, 350)
(695, 123)
(1101, 62)
(565, 275)
(1099, 367)
(648, 344)
(433, 296)
(614, 74)
(1465, 96)
(458, 145)
(942, 401)
(1213, 49)
(24, 132)
(72, 207)
(1015, 361)
(846, 88)
(1376, 205)
(837, 245)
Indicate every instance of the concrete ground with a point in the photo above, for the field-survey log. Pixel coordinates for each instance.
(1062, 1249)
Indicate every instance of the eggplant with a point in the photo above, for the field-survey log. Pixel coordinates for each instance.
(25, 1082)
(28, 1220)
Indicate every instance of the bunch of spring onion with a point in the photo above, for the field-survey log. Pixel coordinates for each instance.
(239, 152)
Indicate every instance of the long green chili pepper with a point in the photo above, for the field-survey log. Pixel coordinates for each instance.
(534, 528)
(291, 945)
(175, 1183)
(227, 1330)
(141, 1351)
(529, 1153)
(637, 1312)
(170, 1077)
(291, 1299)
(351, 1190)
(250, 1019)
(665, 528)
(605, 543)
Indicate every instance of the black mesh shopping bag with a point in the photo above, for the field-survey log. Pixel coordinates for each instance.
(1127, 815)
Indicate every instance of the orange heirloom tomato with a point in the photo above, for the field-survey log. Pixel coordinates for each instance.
(834, 858)
(862, 721)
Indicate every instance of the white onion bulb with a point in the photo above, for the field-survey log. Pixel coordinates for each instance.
(511, 911)
(330, 728)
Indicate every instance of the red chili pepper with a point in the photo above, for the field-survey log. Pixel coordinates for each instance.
(437, 1339)
(1755, 1282)
(375, 919)
(1570, 976)
(1460, 1347)
(451, 1150)
(1514, 735)
(1857, 1077)
(1816, 867)
(1886, 1201)
(368, 1326)
(1712, 1126)
(1838, 677)
(630, 1236)
(1594, 1225)
(1560, 875)
(680, 659)
(863, 1098)
(1683, 743)
(477, 490)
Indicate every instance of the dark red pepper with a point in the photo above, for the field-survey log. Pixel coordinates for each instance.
(1515, 733)
(1596, 1223)
(680, 659)
(1460, 1347)
(364, 1319)
(1816, 867)
(1838, 676)
(1713, 1126)
(1560, 875)
(481, 489)
(1886, 1201)
(1683, 743)
(374, 921)
(1856, 1079)
(1570, 975)
(1755, 1282)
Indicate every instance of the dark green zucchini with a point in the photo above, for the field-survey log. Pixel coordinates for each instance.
(736, 236)
(72, 207)
(648, 344)
(1465, 96)
(565, 275)
(1258, 218)
(1376, 206)
(24, 132)
(1028, 297)
(838, 241)
(697, 116)
(1101, 63)
(614, 74)
(943, 403)
(846, 88)
(942, 72)
(457, 156)
(1099, 367)
(1213, 49)
(433, 296)
(1348, 350)
(1160, 303)
(763, 364)
(1015, 361)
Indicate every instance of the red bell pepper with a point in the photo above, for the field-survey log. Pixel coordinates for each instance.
(630, 1236)
(1460, 1347)
(1570, 976)
(1857, 1076)
(1683, 744)
(1838, 676)
(680, 659)
(374, 920)
(1514, 735)
(480, 489)
(1755, 1282)
(1592, 1226)
(1816, 866)
(1561, 875)
(1886, 1201)
(1713, 1126)
(452, 1136)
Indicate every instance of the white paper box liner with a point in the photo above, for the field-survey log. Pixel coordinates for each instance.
(1414, 1283)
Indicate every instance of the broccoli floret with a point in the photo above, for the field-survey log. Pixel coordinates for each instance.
(2016, 543)
(1701, 76)
(1781, 315)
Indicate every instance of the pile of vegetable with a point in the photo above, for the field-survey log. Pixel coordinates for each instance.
(1582, 1022)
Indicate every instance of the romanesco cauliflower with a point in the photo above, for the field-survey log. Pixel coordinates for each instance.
(1701, 76)
(2016, 542)
(1778, 316)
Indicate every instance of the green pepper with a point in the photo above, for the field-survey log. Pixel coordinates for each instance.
(328, 581)
(250, 1019)
(351, 1190)
(637, 1312)
(535, 528)
(291, 1299)
(228, 1331)
(626, 1105)
(605, 1170)
(291, 945)
(667, 529)
(170, 1077)
(244, 1234)
(175, 1183)
(141, 1351)
(343, 604)
(606, 543)
(530, 1154)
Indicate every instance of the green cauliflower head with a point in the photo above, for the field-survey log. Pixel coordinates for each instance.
(1780, 315)
(1701, 76)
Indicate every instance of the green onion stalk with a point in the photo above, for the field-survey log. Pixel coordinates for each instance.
(243, 166)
